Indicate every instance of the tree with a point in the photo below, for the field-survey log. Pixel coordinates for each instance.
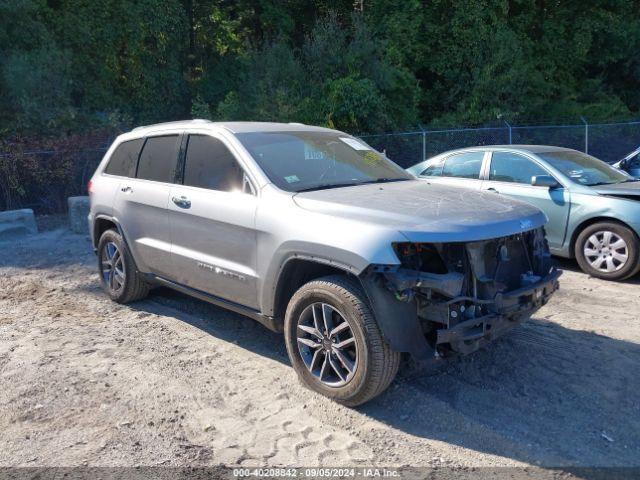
(340, 77)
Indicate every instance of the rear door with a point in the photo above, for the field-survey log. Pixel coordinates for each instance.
(459, 169)
(212, 216)
(511, 173)
(141, 204)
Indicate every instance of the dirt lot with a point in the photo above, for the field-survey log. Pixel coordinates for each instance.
(175, 381)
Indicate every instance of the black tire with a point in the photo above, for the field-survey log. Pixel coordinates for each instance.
(133, 287)
(376, 365)
(627, 269)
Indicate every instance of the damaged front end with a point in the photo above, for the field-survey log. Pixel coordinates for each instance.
(448, 298)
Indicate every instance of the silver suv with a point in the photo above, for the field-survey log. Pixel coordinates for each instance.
(312, 232)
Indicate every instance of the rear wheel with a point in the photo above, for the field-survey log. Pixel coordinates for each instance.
(608, 250)
(118, 274)
(335, 344)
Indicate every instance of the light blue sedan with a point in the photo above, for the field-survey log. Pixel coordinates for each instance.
(593, 208)
(630, 163)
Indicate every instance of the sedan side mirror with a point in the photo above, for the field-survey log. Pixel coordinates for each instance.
(544, 181)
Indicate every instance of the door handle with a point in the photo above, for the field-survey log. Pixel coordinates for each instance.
(127, 189)
(182, 202)
(492, 190)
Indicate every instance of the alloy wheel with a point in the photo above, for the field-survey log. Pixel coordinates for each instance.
(606, 252)
(327, 345)
(113, 271)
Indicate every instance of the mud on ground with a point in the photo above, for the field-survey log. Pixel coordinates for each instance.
(174, 381)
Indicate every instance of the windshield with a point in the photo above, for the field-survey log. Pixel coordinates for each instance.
(300, 161)
(584, 169)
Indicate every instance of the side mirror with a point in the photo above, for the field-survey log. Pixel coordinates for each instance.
(544, 181)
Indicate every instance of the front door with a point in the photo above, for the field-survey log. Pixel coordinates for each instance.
(510, 174)
(633, 165)
(212, 217)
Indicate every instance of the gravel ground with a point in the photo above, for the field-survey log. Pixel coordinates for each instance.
(174, 381)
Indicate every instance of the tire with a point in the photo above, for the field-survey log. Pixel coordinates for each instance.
(608, 243)
(127, 286)
(374, 364)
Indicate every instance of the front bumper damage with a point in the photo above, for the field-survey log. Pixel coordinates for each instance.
(510, 309)
(450, 299)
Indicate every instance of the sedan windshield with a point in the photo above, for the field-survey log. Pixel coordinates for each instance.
(584, 169)
(305, 160)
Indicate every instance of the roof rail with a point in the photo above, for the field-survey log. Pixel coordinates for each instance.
(195, 120)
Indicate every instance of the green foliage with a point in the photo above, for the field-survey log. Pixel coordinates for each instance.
(489, 60)
(69, 64)
(340, 77)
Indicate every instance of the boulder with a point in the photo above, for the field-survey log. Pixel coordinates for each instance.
(16, 223)
(78, 212)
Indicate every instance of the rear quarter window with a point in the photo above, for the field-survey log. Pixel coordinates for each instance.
(124, 159)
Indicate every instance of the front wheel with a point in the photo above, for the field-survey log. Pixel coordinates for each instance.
(608, 250)
(334, 342)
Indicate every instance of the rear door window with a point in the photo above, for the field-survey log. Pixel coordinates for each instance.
(513, 168)
(209, 164)
(124, 159)
(463, 165)
(159, 159)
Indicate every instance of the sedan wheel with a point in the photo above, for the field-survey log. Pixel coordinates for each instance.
(606, 251)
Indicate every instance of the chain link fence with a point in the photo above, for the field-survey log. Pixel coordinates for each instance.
(607, 141)
(43, 180)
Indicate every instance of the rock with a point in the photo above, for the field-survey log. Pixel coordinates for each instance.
(78, 212)
(16, 223)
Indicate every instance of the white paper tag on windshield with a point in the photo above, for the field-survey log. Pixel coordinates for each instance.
(353, 143)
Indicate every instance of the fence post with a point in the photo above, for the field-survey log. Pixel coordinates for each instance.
(424, 144)
(509, 127)
(586, 134)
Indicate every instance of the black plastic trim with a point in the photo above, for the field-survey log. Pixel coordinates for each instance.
(269, 322)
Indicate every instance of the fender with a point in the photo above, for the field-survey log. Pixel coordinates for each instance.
(277, 265)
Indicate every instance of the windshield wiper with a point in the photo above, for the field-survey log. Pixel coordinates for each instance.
(326, 186)
(384, 180)
(598, 184)
(611, 183)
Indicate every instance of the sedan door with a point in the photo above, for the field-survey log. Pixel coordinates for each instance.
(511, 174)
(212, 217)
(141, 204)
(458, 170)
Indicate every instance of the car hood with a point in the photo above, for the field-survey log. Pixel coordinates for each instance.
(425, 212)
(627, 189)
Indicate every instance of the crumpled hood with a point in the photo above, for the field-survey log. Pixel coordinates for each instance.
(425, 212)
(623, 189)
